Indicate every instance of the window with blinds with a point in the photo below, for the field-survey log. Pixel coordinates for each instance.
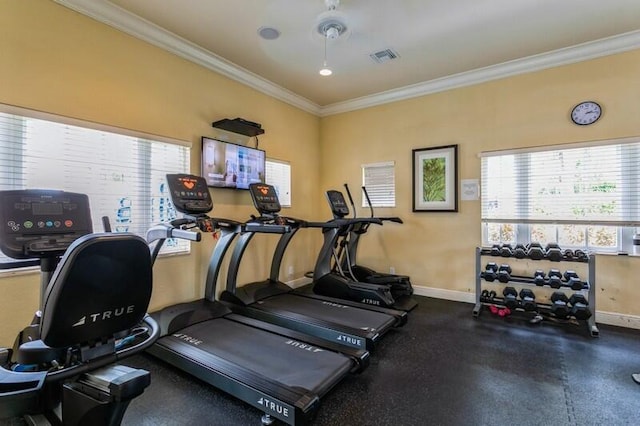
(379, 179)
(123, 175)
(278, 174)
(582, 196)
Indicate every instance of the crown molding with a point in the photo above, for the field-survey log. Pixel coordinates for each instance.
(582, 52)
(116, 17)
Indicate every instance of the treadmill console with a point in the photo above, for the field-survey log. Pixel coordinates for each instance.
(41, 223)
(265, 198)
(189, 194)
(337, 203)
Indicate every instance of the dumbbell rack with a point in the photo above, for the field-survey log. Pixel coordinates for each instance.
(590, 285)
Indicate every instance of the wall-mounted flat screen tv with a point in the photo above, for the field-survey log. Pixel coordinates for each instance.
(227, 165)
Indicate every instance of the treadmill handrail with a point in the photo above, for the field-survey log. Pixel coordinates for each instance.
(165, 231)
(295, 222)
(263, 227)
(327, 225)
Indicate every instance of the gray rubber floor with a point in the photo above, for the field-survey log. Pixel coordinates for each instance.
(445, 368)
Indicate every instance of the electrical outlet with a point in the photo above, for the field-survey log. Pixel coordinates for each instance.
(392, 270)
(290, 271)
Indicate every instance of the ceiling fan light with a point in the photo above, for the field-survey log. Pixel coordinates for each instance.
(332, 32)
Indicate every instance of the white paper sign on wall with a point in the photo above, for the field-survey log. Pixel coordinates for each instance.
(470, 189)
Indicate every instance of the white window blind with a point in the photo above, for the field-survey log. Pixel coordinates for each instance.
(379, 179)
(587, 195)
(123, 175)
(278, 174)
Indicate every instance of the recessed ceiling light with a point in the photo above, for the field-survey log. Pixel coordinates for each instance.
(268, 33)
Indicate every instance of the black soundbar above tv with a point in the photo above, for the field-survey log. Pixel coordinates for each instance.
(240, 126)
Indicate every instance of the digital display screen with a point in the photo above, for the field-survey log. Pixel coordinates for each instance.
(188, 183)
(189, 193)
(46, 209)
(227, 165)
(266, 193)
(265, 198)
(337, 199)
(337, 203)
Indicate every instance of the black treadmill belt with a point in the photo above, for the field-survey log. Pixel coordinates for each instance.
(278, 358)
(348, 316)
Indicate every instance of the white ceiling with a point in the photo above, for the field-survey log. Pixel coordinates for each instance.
(441, 43)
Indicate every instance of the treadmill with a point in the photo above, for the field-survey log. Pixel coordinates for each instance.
(278, 371)
(353, 324)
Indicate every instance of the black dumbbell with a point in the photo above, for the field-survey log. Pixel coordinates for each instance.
(489, 275)
(491, 266)
(487, 296)
(553, 252)
(504, 273)
(568, 254)
(504, 267)
(572, 280)
(506, 250)
(581, 255)
(510, 297)
(579, 307)
(555, 278)
(484, 295)
(539, 278)
(490, 272)
(535, 251)
(495, 250)
(559, 305)
(528, 300)
(520, 252)
(575, 283)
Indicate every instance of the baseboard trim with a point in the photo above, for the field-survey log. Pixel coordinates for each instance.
(298, 282)
(619, 320)
(440, 293)
(608, 318)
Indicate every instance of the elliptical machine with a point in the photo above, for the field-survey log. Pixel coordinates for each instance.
(330, 279)
(400, 284)
(92, 313)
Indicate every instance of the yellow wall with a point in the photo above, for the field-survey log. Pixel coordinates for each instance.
(437, 249)
(58, 61)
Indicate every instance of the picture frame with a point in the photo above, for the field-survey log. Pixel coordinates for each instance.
(435, 179)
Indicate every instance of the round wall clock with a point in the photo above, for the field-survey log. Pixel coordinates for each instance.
(586, 113)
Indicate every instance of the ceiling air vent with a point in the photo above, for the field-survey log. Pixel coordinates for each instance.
(384, 55)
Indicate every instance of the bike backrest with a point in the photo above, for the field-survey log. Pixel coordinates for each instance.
(100, 289)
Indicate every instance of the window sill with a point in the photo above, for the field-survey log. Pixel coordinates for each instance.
(28, 270)
(620, 253)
